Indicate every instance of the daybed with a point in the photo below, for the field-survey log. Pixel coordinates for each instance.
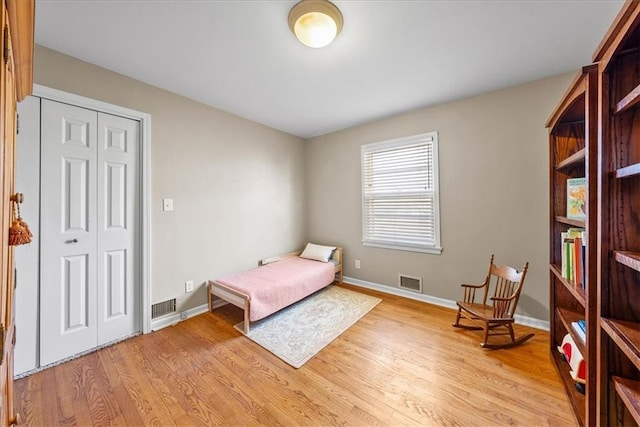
(279, 281)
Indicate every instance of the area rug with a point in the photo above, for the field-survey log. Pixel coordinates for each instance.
(297, 333)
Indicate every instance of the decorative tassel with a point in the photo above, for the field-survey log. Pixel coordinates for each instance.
(19, 233)
(24, 224)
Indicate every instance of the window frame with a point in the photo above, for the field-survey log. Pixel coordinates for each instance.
(430, 137)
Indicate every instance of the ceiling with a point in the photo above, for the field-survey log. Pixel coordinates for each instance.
(391, 57)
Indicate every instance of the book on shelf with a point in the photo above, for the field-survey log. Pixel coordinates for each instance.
(577, 262)
(576, 198)
(582, 333)
(583, 261)
(573, 244)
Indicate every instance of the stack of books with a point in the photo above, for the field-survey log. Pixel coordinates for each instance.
(574, 256)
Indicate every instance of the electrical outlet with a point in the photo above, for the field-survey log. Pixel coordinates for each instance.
(183, 315)
(358, 264)
(188, 286)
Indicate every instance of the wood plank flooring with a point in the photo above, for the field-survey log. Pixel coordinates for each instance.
(402, 364)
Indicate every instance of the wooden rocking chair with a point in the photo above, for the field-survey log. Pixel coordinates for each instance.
(501, 308)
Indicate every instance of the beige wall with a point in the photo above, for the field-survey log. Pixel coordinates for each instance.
(494, 191)
(238, 187)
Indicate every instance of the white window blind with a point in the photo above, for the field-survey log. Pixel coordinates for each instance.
(400, 208)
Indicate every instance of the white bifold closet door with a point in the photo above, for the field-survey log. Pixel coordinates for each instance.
(89, 211)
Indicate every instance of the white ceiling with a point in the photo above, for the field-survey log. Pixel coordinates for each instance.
(391, 57)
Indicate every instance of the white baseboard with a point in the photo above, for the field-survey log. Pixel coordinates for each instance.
(521, 320)
(163, 322)
(172, 319)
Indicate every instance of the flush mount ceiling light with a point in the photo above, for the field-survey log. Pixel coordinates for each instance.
(315, 22)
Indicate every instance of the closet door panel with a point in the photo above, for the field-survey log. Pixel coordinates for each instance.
(68, 280)
(118, 210)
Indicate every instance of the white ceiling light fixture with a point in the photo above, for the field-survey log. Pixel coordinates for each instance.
(315, 22)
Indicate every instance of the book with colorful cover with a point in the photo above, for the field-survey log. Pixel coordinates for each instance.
(577, 198)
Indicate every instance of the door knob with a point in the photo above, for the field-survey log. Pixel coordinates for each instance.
(72, 241)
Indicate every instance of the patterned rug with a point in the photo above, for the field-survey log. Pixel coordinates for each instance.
(297, 333)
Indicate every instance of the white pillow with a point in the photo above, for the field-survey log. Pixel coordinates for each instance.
(318, 252)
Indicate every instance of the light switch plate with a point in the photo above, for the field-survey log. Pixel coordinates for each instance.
(167, 205)
(188, 286)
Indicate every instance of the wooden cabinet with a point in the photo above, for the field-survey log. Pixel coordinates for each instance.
(16, 82)
(595, 132)
(573, 154)
(619, 251)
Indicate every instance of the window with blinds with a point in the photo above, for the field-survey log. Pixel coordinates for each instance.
(400, 207)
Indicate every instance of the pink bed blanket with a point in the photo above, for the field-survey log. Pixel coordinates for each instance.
(273, 287)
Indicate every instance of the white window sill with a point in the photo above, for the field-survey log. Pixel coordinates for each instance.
(435, 250)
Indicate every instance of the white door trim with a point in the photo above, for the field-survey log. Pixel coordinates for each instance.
(145, 175)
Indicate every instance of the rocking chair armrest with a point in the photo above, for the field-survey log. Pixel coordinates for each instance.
(464, 285)
(502, 298)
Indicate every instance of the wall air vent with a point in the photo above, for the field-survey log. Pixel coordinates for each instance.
(410, 283)
(163, 308)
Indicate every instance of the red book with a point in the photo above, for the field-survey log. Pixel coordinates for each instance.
(578, 267)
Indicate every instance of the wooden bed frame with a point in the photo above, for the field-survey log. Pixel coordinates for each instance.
(242, 301)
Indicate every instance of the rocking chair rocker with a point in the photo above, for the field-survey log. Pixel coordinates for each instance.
(499, 312)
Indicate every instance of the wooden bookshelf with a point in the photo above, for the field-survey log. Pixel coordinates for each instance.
(573, 154)
(619, 222)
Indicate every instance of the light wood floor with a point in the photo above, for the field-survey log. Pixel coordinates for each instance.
(402, 364)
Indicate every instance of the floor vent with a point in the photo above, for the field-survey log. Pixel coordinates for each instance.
(411, 283)
(162, 308)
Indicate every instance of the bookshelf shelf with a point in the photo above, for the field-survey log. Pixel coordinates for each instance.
(630, 259)
(629, 101)
(572, 222)
(567, 317)
(577, 293)
(629, 393)
(628, 171)
(573, 160)
(626, 335)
